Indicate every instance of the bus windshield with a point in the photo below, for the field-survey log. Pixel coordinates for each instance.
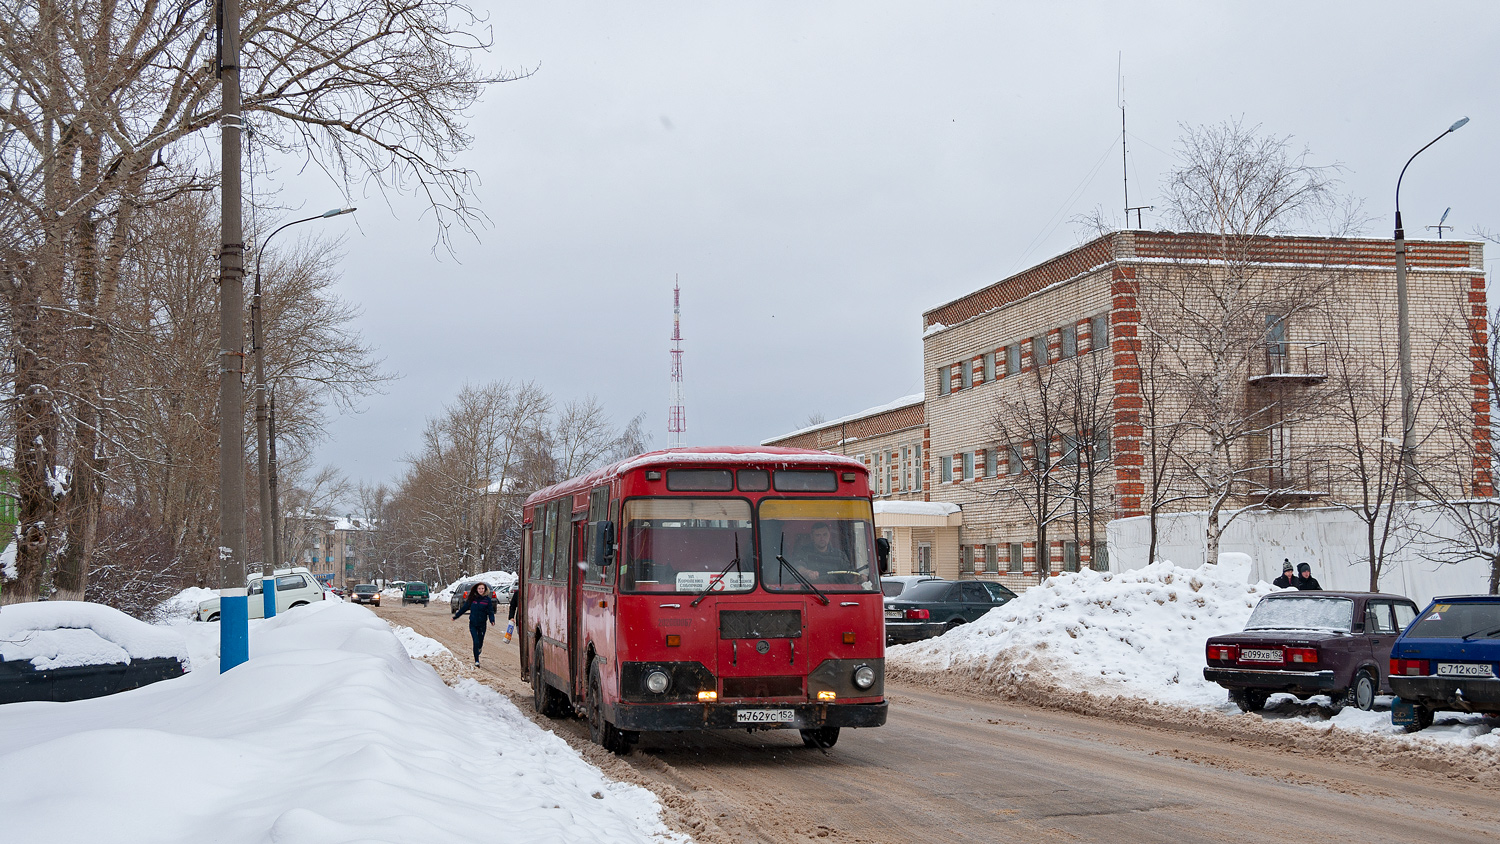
(683, 544)
(829, 542)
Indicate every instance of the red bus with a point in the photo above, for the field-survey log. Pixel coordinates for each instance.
(706, 588)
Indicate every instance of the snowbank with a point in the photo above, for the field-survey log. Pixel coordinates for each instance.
(416, 644)
(330, 733)
(184, 603)
(1137, 633)
(60, 634)
(496, 580)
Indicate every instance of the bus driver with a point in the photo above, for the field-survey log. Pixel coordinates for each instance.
(821, 558)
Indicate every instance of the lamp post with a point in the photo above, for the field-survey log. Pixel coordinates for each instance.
(1403, 331)
(267, 512)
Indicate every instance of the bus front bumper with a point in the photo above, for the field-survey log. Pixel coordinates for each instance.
(669, 717)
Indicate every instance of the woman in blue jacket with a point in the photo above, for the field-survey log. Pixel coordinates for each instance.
(481, 606)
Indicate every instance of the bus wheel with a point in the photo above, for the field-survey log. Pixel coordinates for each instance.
(601, 731)
(821, 737)
(546, 699)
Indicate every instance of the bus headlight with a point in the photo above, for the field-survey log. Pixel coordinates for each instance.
(657, 682)
(864, 677)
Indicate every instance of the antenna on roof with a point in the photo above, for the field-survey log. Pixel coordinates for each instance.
(677, 413)
(1440, 222)
(1124, 162)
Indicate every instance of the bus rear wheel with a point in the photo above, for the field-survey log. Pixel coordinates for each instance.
(601, 732)
(821, 737)
(547, 700)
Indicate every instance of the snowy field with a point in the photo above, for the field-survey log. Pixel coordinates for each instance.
(331, 733)
(1140, 634)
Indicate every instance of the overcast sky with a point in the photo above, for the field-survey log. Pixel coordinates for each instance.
(819, 174)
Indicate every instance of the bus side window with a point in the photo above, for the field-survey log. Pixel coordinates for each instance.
(614, 516)
(533, 546)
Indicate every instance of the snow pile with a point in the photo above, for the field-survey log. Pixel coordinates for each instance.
(496, 579)
(184, 603)
(330, 733)
(416, 644)
(1139, 633)
(61, 634)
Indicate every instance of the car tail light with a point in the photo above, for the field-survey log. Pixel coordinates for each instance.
(1223, 653)
(1409, 667)
(913, 615)
(1302, 656)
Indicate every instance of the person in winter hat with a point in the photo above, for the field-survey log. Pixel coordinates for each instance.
(1305, 581)
(480, 605)
(1288, 579)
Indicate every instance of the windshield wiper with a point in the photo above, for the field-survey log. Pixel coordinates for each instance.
(800, 576)
(1481, 632)
(720, 576)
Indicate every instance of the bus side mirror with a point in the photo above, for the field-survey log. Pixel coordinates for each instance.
(604, 544)
(883, 554)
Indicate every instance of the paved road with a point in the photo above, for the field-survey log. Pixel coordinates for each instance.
(951, 768)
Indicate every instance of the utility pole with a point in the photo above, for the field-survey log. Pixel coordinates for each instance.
(234, 618)
(276, 527)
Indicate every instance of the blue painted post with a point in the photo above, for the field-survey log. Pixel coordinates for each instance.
(268, 584)
(234, 628)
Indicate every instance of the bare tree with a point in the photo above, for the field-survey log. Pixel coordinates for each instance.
(1027, 420)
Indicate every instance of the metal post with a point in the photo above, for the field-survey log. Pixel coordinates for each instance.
(262, 435)
(276, 517)
(234, 622)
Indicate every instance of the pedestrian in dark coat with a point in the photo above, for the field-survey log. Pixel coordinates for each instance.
(480, 605)
(1305, 581)
(515, 597)
(1288, 579)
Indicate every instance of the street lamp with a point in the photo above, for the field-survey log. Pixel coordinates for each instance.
(270, 552)
(1403, 329)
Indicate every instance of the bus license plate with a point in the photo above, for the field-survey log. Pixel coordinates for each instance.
(1464, 669)
(765, 716)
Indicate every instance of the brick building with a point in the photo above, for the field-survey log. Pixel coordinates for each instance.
(1058, 367)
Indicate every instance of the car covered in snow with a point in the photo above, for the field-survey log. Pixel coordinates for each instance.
(73, 650)
(933, 607)
(1311, 643)
(295, 587)
(1447, 660)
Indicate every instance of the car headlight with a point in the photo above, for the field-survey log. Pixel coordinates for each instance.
(864, 677)
(657, 682)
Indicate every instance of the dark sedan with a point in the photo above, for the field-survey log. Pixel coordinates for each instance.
(934, 607)
(1310, 643)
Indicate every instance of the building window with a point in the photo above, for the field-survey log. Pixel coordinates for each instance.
(1012, 358)
(924, 558)
(965, 559)
(1039, 350)
(1100, 561)
(1069, 341)
(947, 475)
(1070, 445)
(1099, 333)
(968, 458)
(1101, 446)
(1070, 556)
(966, 375)
(1013, 460)
(992, 559)
(989, 367)
(945, 386)
(879, 474)
(891, 475)
(917, 460)
(991, 462)
(1040, 449)
(1016, 558)
(1276, 345)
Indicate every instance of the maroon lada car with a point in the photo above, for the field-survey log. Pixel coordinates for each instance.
(1311, 643)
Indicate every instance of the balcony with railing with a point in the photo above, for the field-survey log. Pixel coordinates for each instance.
(1297, 481)
(1289, 364)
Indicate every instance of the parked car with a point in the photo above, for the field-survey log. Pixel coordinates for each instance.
(295, 587)
(1311, 643)
(894, 586)
(365, 593)
(414, 592)
(71, 650)
(1447, 660)
(933, 607)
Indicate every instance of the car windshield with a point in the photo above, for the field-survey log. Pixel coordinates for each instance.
(1477, 620)
(683, 544)
(1309, 613)
(828, 542)
(927, 591)
(364, 589)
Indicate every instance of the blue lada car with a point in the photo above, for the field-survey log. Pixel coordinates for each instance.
(1447, 660)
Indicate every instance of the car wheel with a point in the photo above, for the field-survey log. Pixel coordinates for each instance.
(1424, 719)
(821, 737)
(1363, 693)
(544, 698)
(1252, 700)
(298, 604)
(213, 617)
(952, 625)
(601, 732)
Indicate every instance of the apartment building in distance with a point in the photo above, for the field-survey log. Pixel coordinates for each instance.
(1177, 370)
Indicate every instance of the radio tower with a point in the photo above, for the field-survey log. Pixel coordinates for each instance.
(677, 414)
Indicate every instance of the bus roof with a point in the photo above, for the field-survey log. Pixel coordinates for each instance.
(760, 455)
